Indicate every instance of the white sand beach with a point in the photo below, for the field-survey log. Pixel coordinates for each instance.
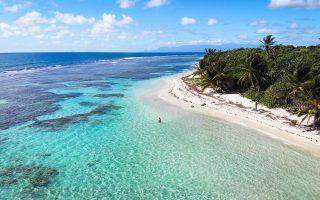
(276, 123)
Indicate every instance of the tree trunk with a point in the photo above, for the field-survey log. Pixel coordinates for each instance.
(316, 117)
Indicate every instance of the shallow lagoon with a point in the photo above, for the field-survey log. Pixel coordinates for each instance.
(85, 132)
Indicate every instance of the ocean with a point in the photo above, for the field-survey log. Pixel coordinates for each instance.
(75, 126)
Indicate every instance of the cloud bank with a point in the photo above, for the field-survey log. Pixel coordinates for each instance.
(294, 3)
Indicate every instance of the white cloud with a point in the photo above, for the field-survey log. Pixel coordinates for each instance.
(57, 31)
(188, 21)
(125, 20)
(212, 22)
(259, 23)
(108, 23)
(30, 19)
(266, 31)
(294, 3)
(294, 25)
(9, 30)
(35, 25)
(126, 3)
(123, 36)
(152, 33)
(156, 3)
(24, 26)
(15, 7)
(243, 37)
(62, 32)
(71, 19)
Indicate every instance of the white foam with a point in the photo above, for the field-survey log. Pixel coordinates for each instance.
(3, 101)
(29, 71)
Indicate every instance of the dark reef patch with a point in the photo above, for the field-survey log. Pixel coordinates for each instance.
(94, 84)
(69, 96)
(97, 123)
(45, 155)
(104, 89)
(3, 140)
(7, 182)
(37, 176)
(87, 104)
(105, 96)
(93, 162)
(43, 177)
(64, 122)
(26, 105)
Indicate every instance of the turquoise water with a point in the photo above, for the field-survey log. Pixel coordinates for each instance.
(106, 144)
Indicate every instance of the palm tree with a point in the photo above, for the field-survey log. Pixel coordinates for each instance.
(304, 87)
(219, 76)
(204, 62)
(210, 51)
(200, 68)
(277, 67)
(253, 72)
(311, 109)
(299, 82)
(268, 42)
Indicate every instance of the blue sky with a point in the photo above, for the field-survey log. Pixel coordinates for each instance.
(137, 25)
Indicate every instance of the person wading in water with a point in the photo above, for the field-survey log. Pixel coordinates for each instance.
(159, 120)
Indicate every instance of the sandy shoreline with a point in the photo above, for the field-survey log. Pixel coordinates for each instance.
(275, 123)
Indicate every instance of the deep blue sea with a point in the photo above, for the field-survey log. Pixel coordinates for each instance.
(79, 126)
(23, 61)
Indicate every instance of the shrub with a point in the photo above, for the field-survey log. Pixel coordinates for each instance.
(253, 94)
(276, 95)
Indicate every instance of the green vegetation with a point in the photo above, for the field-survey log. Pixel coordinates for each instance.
(274, 75)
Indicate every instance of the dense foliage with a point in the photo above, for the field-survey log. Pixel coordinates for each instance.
(275, 75)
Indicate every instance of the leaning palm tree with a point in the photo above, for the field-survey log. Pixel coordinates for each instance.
(200, 68)
(311, 109)
(253, 73)
(268, 42)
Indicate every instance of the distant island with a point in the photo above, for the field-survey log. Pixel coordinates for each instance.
(200, 47)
